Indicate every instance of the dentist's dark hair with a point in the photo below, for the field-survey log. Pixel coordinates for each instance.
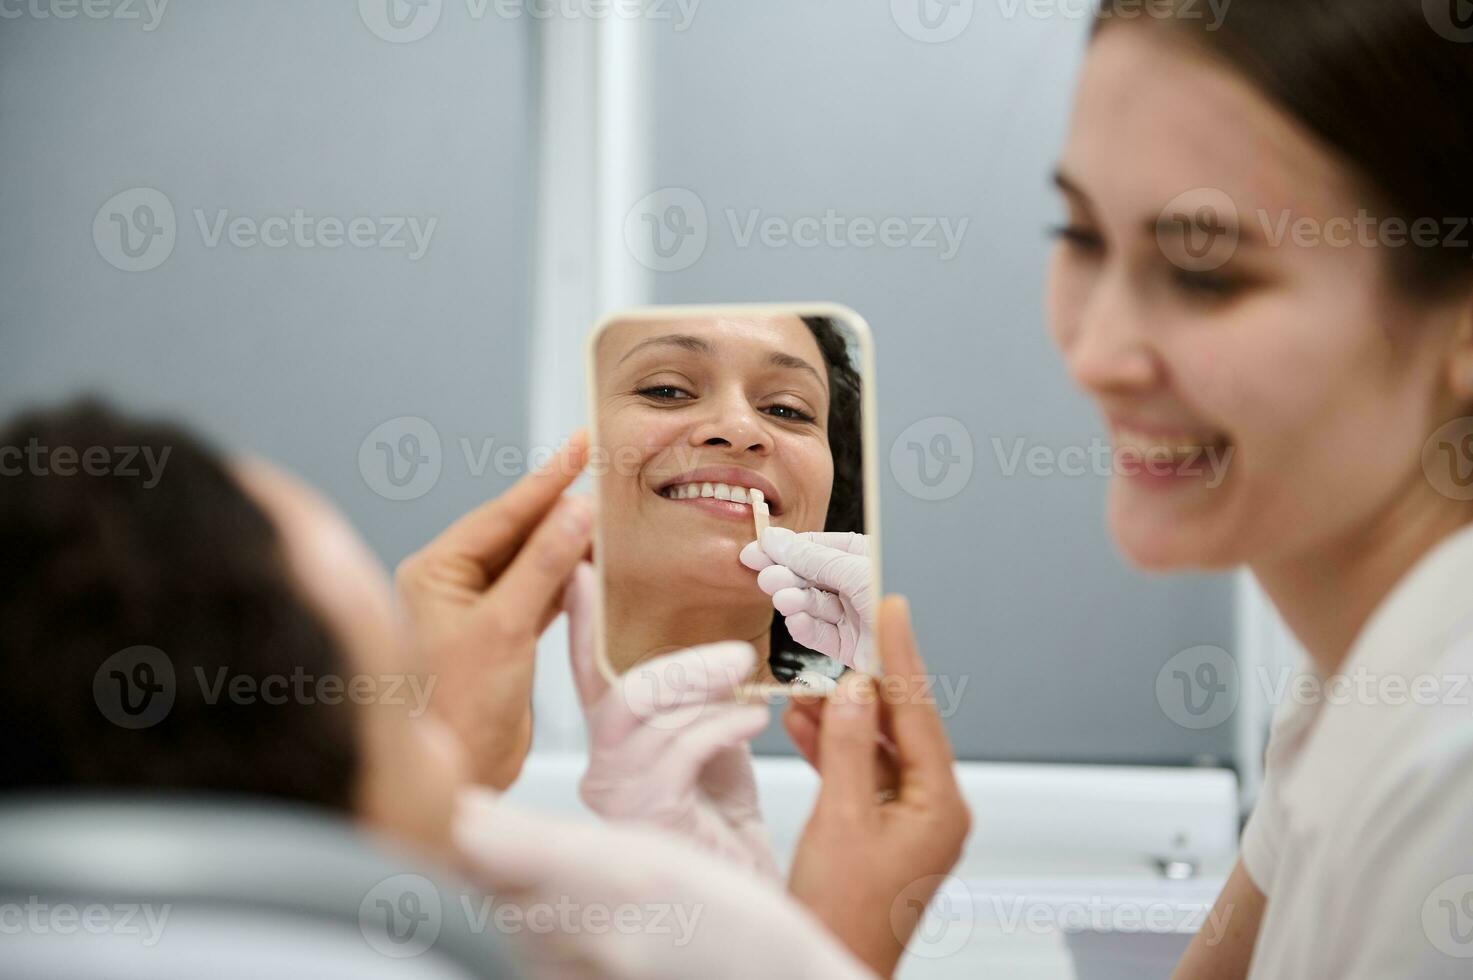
(157, 547)
(846, 500)
(1384, 84)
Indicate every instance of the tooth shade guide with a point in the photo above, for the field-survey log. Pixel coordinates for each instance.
(759, 512)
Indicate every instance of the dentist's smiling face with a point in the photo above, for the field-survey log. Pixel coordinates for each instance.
(1283, 391)
(696, 414)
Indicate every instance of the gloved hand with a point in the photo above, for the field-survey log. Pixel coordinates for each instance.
(822, 583)
(667, 744)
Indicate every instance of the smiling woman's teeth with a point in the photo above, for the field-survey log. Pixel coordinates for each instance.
(1179, 445)
(720, 491)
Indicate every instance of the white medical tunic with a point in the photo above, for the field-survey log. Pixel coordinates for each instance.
(1363, 837)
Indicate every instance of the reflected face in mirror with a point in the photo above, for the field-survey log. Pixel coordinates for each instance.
(694, 414)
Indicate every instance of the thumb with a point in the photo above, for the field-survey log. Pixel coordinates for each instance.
(846, 745)
(580, 599)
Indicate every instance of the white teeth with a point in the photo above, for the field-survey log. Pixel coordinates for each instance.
(717, 491)
(1164, 444)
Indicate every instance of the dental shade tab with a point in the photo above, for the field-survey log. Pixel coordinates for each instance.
(759, 511)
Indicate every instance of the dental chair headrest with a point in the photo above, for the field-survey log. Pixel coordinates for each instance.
(95, 887)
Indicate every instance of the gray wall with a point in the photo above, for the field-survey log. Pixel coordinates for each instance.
(260, 108)
(796, 108)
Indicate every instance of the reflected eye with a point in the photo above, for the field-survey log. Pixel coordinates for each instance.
(789, 413)
(664, 393)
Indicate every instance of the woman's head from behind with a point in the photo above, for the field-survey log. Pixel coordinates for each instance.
(1266, 279)
(175, 623)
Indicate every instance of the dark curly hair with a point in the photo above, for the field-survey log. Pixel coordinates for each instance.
(846, 502)
(103, 558)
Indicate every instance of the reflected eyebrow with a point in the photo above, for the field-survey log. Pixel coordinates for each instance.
(697, 345)
(779, 359)
(684, 341)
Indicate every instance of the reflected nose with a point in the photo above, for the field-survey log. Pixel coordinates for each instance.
(1109, 349)
(733, 423)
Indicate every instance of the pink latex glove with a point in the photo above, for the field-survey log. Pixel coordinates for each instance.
(822, 583)
(695, 916)
(668, 746)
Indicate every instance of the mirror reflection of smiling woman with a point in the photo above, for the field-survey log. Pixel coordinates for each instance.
(738, 403)
(1331, 367)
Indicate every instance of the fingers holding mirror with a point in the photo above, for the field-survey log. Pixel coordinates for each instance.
(732, 452)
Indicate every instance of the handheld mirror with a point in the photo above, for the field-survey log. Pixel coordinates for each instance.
(734, 462)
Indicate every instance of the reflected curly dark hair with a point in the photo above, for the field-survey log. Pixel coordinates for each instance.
(846, 501)
(182, 560)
